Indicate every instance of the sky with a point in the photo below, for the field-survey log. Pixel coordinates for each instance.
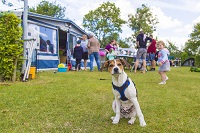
(176, 17)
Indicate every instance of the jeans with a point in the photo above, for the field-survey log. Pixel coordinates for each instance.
(96, 56)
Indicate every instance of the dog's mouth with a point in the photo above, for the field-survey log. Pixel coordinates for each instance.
(116, 73)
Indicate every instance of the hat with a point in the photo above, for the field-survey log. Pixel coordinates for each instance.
(78, 42)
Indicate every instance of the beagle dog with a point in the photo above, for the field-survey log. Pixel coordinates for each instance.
(126, 102)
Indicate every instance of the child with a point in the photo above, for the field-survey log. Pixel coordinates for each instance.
(111, 55)
(78, 51)
(163, 62)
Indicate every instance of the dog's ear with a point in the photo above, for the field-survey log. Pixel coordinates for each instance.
(123, 62)
(106, 64)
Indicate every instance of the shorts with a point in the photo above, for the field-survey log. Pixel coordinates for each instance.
(85, 55)
(151, 56)
(141, 53)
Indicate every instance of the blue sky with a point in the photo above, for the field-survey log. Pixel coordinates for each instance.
(176, 17)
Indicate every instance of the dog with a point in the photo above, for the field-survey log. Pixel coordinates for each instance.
(126, 103)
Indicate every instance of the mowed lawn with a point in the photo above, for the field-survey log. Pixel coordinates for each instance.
(79, 102)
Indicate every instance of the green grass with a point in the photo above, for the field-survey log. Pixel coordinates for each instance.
(80, 102)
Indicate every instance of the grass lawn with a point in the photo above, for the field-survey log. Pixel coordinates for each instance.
(80, 102)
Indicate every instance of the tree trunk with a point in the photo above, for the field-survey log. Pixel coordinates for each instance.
(14, 71)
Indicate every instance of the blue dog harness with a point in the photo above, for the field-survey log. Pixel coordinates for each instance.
(122, 89)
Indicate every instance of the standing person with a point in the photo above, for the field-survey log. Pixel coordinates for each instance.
(110, 45)
(163, 62)
(84, 43)
(141, 42)
(151, 51)
(78, 52)
(93, 51)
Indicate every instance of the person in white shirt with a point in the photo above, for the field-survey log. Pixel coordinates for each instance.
(84, 43)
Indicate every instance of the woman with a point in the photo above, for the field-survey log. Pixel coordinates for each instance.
(110, 45)
(84, 43)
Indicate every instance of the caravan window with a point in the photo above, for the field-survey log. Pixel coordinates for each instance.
(47, 40)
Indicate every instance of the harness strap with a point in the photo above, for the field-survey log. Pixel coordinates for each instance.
(122, 89)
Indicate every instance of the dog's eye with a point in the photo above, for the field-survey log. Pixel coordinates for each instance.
(119, 64)
(111, 65)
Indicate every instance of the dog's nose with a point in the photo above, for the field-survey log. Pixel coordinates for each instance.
(116, 69)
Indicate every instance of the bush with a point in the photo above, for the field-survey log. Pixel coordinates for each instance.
(11, 45)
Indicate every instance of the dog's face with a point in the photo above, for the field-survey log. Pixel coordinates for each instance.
(115, 67)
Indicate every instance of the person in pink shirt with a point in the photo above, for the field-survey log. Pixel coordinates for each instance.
(110, 45)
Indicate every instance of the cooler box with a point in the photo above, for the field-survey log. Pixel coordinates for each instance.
(62, 68)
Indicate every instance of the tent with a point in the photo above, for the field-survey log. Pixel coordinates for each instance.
(188, 62)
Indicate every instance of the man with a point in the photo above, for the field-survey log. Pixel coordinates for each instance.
(93, 51)
(141, 42)
(152, 51)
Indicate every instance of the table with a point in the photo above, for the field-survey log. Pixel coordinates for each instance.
(125, 57)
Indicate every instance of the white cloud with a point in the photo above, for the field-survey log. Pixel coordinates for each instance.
(197, 20)
(165, 22)
(125, 8)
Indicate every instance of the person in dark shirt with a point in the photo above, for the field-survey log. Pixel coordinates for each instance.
(78, 52)
(141, 42)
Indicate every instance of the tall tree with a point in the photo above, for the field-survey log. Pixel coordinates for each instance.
(142, 20)
(50, 9)
(174, 51)
(104, 22)
(193, 43)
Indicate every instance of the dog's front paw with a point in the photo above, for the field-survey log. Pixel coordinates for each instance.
(131, 121)
(112, 118)
(143, 123)
(115, 120)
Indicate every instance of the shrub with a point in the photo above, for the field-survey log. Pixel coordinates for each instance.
(11, 45)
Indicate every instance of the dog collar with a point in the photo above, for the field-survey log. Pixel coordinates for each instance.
(122, 89)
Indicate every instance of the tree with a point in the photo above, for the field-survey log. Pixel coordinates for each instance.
(174, 51)
(50, 9)
(142, 20)
(11, 45)
(104, 22)
(193, 43)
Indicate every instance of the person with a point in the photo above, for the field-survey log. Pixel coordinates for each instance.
(151, 51)
(163, 61)
(93, 51)
(111, 55)
(78, 52)
(116, 46)
(50, 46)
(84, 43)
(110, 45)
(141, 42)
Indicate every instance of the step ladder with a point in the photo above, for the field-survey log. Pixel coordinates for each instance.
(30, 49)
